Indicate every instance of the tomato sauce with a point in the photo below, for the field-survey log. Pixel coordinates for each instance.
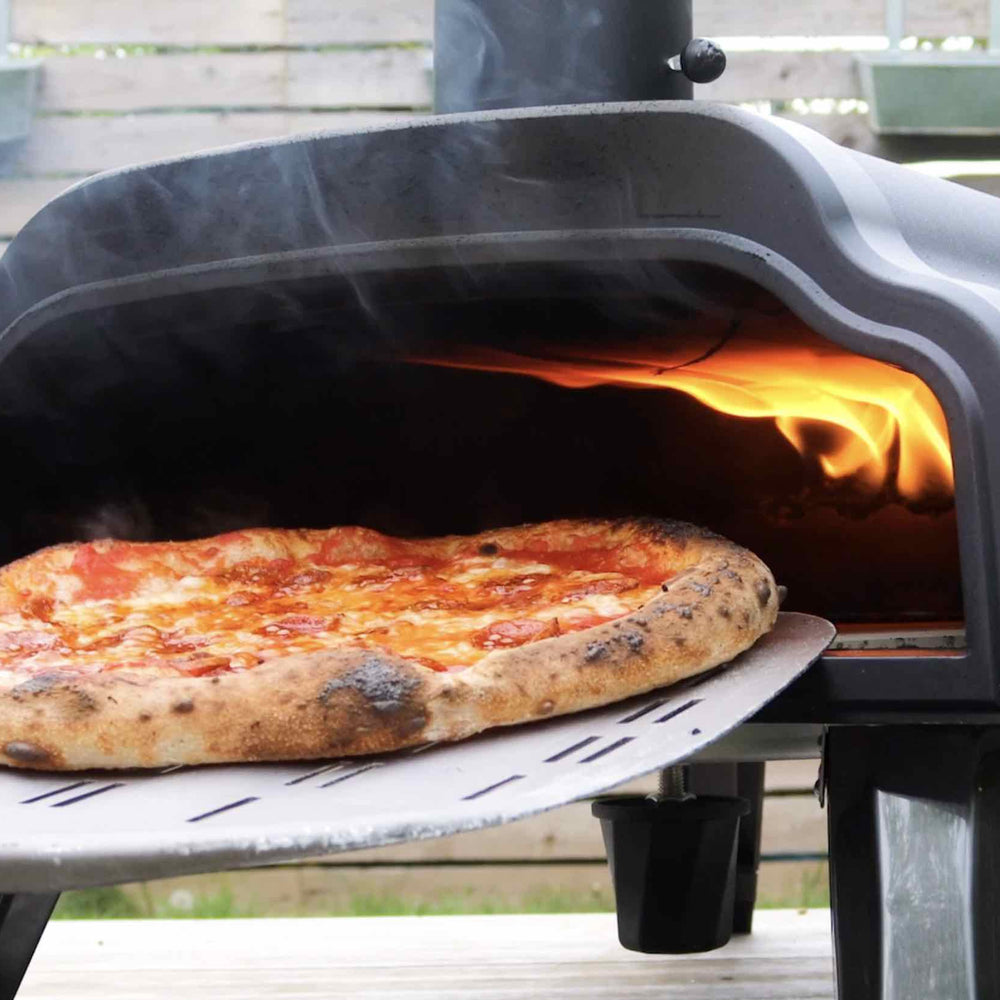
(233, 602)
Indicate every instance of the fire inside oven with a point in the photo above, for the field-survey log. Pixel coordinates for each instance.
(451, 400)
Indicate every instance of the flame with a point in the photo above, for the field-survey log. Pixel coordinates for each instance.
(878, 420)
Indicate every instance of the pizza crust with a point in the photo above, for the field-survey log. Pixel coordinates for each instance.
(350, 701)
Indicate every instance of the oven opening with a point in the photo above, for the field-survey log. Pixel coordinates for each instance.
(452, 400)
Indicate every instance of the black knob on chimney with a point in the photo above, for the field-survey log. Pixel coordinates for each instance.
(702, 61)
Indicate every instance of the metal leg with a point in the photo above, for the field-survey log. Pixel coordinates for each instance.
(23, 916)
(749, 786)
(914, 819)
(745, 780)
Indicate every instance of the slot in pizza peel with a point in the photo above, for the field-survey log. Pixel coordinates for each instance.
(76, 829)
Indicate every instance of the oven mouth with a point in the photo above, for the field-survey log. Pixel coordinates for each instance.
(334, 400)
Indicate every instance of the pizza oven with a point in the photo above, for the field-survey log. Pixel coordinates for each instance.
(531, 308)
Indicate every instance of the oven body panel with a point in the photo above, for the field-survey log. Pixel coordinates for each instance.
(840, 240)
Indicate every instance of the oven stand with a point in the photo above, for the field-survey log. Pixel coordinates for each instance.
(746, 781)
(914, 820)
(23, 916)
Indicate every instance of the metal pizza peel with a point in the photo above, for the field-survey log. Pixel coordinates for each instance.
(76, 829)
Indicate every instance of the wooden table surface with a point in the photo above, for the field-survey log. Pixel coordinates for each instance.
(788, 957)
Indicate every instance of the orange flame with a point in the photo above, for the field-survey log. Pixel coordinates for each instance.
(866, 406)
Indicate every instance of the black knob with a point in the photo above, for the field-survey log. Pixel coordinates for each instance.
(702, 61)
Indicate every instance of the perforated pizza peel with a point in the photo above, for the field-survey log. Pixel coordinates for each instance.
(71, 830)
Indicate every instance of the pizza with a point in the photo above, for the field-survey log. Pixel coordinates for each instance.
(274, 644)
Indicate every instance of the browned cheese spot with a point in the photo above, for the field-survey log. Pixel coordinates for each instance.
(183, 707)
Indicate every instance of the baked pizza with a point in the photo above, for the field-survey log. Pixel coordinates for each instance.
(271, 644)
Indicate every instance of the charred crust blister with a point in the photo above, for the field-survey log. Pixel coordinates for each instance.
(58, 685)
(383, 684)
(27, 753)
(489, 549)
(634, 640)
(182, 707)
(38, 684)
(682, 610)
(595, 651)
(763, 591)
(660, 530)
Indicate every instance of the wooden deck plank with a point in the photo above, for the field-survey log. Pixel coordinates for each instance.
(491, 957)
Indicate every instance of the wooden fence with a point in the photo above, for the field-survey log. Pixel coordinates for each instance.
(130, 80)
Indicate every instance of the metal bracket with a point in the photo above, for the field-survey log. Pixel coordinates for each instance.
(23, 918)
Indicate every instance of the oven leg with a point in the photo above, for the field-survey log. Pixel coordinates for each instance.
(745, 780)
(749, 786)
(23, 916)
(914, 821)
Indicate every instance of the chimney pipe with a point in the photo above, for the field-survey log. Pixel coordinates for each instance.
(523, 53)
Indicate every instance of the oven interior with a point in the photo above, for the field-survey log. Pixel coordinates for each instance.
(387, 400)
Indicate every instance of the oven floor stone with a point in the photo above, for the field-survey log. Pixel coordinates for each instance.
(788, 957)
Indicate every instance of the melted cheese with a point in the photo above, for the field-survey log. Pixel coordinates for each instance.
(235, 601)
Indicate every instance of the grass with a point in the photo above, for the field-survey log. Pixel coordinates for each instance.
(114, 903)
(813, 893)
(536, 902)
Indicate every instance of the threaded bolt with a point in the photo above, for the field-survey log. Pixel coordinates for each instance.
(673, 782)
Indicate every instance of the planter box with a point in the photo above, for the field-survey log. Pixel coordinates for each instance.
(932, 93)
(18, 85)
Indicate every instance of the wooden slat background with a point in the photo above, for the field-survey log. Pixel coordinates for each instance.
(353, 22)
(215, 73)
(237, 70)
